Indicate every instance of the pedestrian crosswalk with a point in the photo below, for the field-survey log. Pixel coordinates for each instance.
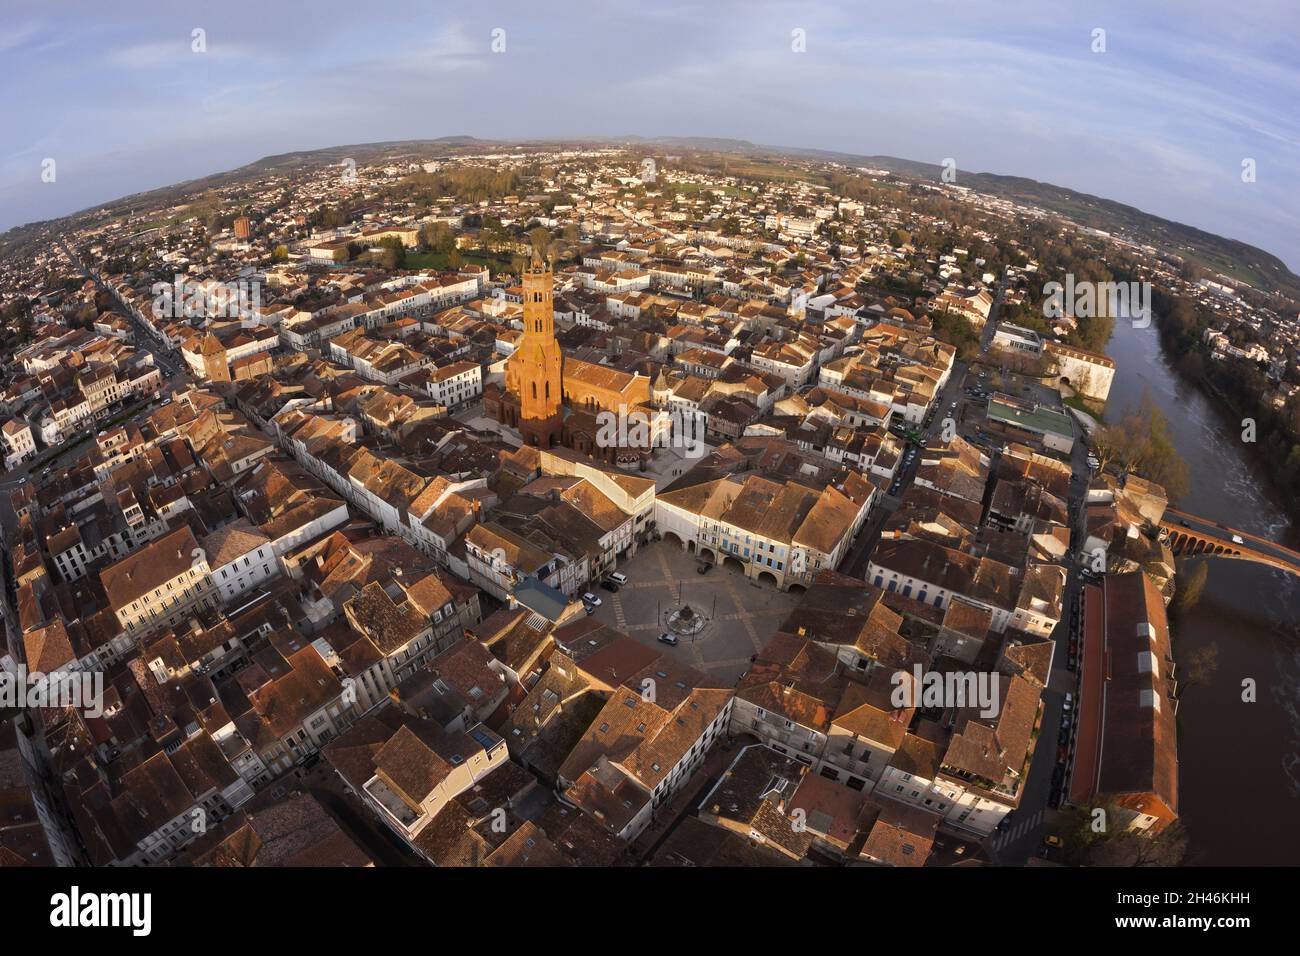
(1024, 827)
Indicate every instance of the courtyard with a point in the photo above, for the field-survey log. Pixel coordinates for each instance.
(740, 614)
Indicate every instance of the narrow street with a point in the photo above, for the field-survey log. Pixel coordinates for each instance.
(669, 817)
(1021, 835)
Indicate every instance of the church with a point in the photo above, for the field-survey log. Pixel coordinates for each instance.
(534, 373)
(553, 400)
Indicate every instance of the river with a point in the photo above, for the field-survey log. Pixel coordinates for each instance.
(1239, 769)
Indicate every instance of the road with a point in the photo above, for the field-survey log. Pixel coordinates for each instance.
(173, 370)
(855, 561)
(171, 366)
(1022, 833)
(46, 457)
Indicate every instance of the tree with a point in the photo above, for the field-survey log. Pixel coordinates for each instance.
(956, 330)
(541, 240)
(1111, 846)
(1190, 587)
(1140, 442)
(437, 237)
(1202, 664)
(280, 253)
(393, 253)
(1135, 848)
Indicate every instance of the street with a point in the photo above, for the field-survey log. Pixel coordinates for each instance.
(171, 366)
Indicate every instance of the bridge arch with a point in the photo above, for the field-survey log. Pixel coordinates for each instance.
(1185, 541)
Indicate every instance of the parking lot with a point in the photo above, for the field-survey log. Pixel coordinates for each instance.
(742, 615)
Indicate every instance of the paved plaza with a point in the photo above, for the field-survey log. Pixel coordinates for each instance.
(743, 615)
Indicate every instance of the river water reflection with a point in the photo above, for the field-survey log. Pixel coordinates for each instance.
(1239, 773)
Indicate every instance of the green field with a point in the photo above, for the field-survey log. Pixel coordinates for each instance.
(438, 261)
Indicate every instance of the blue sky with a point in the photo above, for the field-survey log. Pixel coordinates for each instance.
(1162, 119)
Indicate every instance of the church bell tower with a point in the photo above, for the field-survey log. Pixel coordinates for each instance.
(536, 367)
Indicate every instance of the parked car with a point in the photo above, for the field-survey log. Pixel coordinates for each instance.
(1063, 738)
(618, 577)
(609, 586)
(1068, 704)
(669, 639)
(703, 567)
(589, 598)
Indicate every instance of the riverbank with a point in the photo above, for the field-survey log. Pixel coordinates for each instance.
(1234, 415)
(1230, 751)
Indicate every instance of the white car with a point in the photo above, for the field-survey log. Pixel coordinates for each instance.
(618, 577)
(591, 599)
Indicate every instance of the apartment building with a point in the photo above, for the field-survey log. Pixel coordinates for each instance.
(159, 584)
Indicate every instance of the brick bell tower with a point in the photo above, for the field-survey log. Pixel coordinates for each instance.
(536, 367)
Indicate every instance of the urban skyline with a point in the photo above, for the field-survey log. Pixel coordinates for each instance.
(1161, 117)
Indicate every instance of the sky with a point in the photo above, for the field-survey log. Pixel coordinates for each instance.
(1162, 119)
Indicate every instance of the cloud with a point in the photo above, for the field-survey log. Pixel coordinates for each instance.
(16, 37)
(1161, 120)
(171, 53)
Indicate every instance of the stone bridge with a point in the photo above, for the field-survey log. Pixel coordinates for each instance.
(1189, 537)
